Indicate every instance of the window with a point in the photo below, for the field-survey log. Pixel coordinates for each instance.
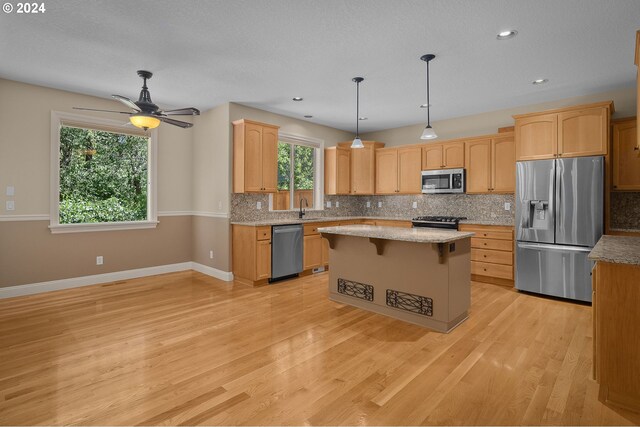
(101, 175)
(298, 173)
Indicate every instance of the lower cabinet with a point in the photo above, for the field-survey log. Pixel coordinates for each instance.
(251, 253)
(312, 252)
(491, 253)
(616, 343)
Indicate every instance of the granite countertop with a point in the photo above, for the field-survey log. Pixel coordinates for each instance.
(418, 235)
(280, 221)
(617, 250)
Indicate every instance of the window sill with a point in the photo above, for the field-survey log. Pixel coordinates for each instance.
(101, 226)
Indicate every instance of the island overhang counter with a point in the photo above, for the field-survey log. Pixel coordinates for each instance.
(419, 275)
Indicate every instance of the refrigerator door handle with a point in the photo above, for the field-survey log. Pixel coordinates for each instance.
(557, 248)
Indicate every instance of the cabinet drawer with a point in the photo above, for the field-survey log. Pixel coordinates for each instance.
(498, 235)
(500, 245)
(263, 233)
(491, 256)
(310, 229)
(492, 270)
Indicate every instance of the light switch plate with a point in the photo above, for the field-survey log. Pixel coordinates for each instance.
(379, 204)
(507, 206)
(328, 204)
(259, 205)
(11, 191)
(11, 205)
(415, 205)
(368, 204)
(337, 204)
(99, 260)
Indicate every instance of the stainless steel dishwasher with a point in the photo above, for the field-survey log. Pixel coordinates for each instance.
(286, 251)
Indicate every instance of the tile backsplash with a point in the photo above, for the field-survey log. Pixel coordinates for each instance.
(481, 207)
(625, 210)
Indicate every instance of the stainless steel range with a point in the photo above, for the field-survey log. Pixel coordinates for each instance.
(446, 222)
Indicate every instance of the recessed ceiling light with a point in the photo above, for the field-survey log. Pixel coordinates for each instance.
(425, 105)
(363, 118)
(540, 81)
(297, 98)
(308, 117)
(507, 34)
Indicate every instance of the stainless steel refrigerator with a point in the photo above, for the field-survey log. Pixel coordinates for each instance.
(559, 218)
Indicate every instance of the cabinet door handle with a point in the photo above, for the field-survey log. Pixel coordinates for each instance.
(636, 148)
(615, 186)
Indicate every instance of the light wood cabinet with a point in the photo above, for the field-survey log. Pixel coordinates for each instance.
(443, 156)
(570, 132)
(337, 170)
(251, 254)
(626, 156)
(363, 167)
(616, 341)
(491, 165)
(637, 61)
(491, 253)
(255, 157)
(398, 170)
(312, 257)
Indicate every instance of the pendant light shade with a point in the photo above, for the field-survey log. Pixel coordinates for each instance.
(428, 132)
(357, 142)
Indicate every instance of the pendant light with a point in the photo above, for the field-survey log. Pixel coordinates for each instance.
(428, 132)
(357, 142)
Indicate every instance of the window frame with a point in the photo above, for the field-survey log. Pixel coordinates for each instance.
(318, 184)
(59, 119)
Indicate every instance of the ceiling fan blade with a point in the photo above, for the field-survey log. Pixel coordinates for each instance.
(104, 111)
(190, 111)
(175, 122)
(126, 101)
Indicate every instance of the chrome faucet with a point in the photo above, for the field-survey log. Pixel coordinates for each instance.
(302, 211)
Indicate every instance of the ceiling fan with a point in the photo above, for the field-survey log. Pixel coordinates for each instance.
(146, 114)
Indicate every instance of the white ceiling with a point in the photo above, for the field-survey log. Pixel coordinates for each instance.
(264, 52)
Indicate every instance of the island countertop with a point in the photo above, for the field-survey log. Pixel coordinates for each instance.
(417, 235)
(617, 250)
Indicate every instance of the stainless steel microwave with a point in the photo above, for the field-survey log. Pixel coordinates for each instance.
(444, 181)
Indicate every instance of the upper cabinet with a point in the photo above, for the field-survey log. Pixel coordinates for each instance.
(398, 170)
(491, 164)
(570, 132)
(448, 155)
(337, 170)
(626, 156)
(255, 157)
(363, 167)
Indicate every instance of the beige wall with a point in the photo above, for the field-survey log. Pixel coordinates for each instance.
(25, 141)
(211, 234)
(29, 253)
(488, 123)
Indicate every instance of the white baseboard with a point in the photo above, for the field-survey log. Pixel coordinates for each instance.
(76, 282)
(227, 276)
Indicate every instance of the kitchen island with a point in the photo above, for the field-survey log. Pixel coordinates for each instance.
(418, 275)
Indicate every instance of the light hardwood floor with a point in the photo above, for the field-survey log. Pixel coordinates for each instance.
(184, 348)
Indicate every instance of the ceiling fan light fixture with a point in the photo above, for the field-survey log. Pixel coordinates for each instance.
(357, 142)
(144, 121)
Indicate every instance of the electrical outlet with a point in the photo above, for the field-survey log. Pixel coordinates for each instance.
(414, 205)
(337, 204)
(99, 260)
(259, 205)
(507, 206)
(220, 205)
(11, 190)
(11, 205)
(328, 204)
(368, 204)
(210, 254)
(379, 204)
